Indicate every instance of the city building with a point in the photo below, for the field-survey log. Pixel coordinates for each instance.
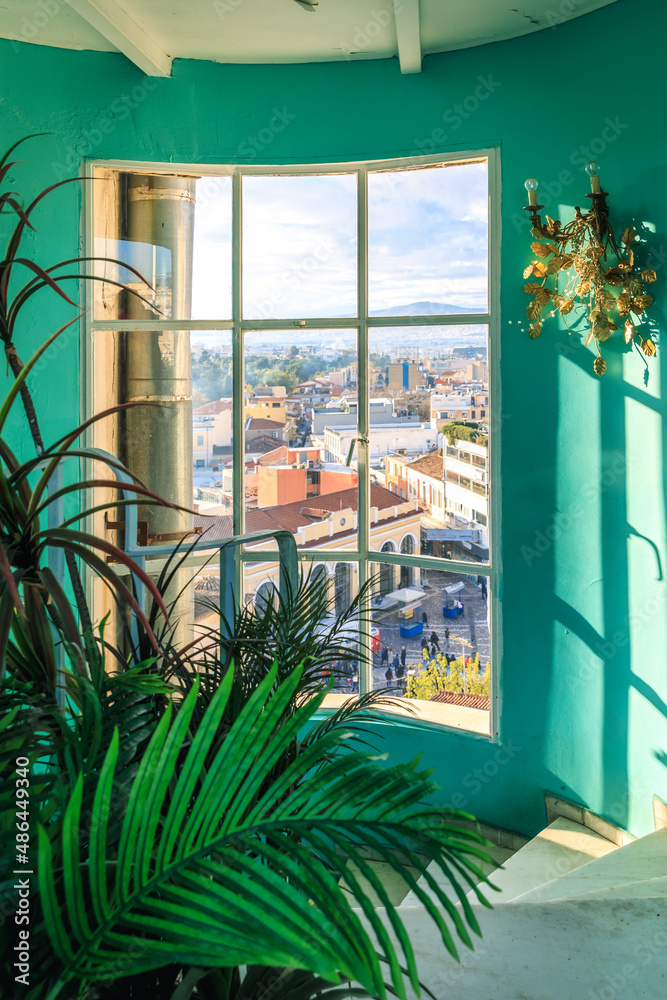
(405, 375)
(267, 401)
(211, 431)
(466, 479)
(328, 524)
(264, 428)
(406, 433)
(465, 403)
(288, 474)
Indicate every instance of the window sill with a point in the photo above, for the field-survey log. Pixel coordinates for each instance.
(452, 717)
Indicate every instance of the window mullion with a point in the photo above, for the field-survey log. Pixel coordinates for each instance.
(363, 411)
(238, 379)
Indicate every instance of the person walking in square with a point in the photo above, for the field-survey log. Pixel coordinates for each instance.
(403, 656)
(447, 638)
(433, 639)
(424, 619)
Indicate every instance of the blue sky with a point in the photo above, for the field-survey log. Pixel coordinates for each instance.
(427, 242)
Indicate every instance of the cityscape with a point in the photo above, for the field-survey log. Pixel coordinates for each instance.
(428, 452)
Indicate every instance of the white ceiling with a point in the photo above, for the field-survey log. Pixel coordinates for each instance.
(153, 32)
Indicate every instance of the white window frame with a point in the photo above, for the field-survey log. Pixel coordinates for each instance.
(363, 556)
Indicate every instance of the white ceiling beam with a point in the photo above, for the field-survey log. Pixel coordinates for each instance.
(408, 33)
(122, 31)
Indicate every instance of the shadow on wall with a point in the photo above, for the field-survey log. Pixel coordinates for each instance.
(616, 667)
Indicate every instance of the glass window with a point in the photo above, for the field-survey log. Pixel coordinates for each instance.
(428, 240)
(299, 246)
(392, 470)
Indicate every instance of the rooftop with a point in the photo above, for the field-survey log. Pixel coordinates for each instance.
(263, 424)
(292, 516)
(217, 406)
(429, 465)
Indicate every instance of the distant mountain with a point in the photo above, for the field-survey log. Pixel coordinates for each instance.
(422, 309)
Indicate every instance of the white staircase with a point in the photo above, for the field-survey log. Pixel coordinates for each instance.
(577, 918)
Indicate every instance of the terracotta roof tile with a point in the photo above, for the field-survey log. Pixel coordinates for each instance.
(217, 406)
(263, 424)
(429, 465)
(262, 444)
(292, 516)
(481, 701)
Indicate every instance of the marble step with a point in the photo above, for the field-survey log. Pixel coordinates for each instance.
(560, 848)
(590, 947)
(500, 856)
(641, 860)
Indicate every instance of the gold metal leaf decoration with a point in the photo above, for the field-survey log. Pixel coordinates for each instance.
(642, 302)
(580, 264)
(542, 249)
(624, 303)
(614, 276)
(605, 299)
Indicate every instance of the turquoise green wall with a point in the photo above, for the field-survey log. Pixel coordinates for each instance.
(583, 486)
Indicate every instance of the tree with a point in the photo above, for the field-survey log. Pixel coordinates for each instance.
(436, 676)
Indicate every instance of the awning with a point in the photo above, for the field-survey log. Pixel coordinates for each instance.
(407, 594)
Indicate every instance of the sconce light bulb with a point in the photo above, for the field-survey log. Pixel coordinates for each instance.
(592, 170)
(531, 187)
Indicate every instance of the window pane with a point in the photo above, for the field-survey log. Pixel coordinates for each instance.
(212, 431)
(212, 249)
(428, 240)
(300, 413)
(425, 635)
(176, 232)
(144, 226)
(429, 432)
(299, 246)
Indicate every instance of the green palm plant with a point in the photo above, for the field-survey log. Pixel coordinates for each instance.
(32, 599)
(214, 867)
(58, 746)
(298, 628)
(34, 608)
(186, 834)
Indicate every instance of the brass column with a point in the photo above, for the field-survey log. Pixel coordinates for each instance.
(155, 365)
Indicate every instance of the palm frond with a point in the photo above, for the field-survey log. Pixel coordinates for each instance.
(235, 874)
